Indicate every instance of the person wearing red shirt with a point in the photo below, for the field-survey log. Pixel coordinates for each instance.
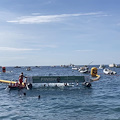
(21, 78)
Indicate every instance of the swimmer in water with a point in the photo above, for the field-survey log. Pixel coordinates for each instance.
(24, 94)
(38, 96)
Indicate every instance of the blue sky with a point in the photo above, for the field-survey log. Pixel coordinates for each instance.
(57, 32)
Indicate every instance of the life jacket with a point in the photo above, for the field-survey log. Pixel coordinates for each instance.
(21, 77)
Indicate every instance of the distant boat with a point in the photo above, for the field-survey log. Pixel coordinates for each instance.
(28, 69)
(75, 68)
(53, 66)
(37, 66)
(72, 65)
(109, 72)
(112, 65)
(118, 66)
(17, 67)
(101, 66)
(65, 66)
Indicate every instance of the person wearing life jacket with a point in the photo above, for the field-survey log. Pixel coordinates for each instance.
(16, 84)
(13, 84)
(21, 78)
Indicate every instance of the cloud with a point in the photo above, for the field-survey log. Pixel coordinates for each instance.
(12, 58)
(16, 49)
(118, 24)
(84, 50)
(47, 46)
(49, 18)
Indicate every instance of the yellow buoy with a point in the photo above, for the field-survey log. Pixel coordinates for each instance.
(93, 71)
(94, 74)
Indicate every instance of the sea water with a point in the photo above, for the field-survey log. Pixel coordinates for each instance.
(100, 102)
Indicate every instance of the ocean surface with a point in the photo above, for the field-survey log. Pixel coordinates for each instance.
(100, 102)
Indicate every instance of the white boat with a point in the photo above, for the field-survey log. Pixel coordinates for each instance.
(101, 66)
(74, 68)
(84, 69)
(118, 66)
(112, 65)
(109, 72)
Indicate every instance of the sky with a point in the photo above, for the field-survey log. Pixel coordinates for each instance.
(59, 32)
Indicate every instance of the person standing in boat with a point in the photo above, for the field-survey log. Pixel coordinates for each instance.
(21, 78)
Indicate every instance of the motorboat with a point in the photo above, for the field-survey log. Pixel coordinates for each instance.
(72, 65)
(112, 65)
(101, 66)
(109, 72)
(84, 69)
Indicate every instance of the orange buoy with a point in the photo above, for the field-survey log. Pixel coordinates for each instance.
(3, 69)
